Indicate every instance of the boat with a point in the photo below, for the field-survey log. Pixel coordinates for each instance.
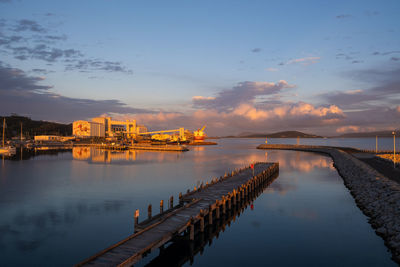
(199, 135)
(10, 150)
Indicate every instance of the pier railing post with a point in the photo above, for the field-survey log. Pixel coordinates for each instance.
(161, 206)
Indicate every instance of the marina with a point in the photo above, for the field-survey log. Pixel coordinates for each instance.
(292, 205)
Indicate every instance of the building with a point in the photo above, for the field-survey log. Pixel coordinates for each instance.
(88, 129)
(106, 127)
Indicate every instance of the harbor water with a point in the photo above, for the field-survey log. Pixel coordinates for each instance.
(60, 208)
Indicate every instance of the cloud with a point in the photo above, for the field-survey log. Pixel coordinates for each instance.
(354, 129)
(12, 79)
(256, 50)
(271, 69)
(25, 94)
(36, 42)
(374, 106)
(44, 52)
(304, 60)
(243, 92)
(377, 53)
(344, 16)
(247, 116)
(395, 58)
(28, 25)
(97, 64)
(201, 98)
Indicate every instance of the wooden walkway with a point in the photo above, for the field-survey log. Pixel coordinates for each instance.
(197, 208)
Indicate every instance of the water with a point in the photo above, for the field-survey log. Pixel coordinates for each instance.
(384, 143)
(63, 208)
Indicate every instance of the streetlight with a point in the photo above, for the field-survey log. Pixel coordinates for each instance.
(394, 148)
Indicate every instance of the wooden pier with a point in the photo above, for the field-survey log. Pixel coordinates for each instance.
(197, 209)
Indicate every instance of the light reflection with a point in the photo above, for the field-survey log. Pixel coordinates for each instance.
(97, 155)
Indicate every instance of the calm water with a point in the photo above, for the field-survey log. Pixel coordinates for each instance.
(62, 208)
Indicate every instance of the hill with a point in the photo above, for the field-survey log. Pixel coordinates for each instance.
(30, 127)
(285, 134)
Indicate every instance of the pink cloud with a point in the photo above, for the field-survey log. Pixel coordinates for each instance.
(354, 129)
(304, 60)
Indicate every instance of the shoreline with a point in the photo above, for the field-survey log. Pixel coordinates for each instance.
(377, 196)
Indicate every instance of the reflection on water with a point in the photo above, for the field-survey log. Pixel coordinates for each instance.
(98, 155)
(63, 208)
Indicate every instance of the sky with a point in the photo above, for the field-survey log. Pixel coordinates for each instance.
(322, 67)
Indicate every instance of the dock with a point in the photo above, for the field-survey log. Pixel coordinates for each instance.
(178, 148)
(199, 208)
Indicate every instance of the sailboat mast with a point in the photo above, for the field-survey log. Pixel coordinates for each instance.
(4, 126)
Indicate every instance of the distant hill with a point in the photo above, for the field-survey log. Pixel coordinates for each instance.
(368, 134)
(285, 134)
(30, 127)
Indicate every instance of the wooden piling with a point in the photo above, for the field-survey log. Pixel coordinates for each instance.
(201, 221)
(161, 206)
(191, 235)
(171, 202)
(210, 218)
(217, 209)
(223, 205)
(149, 212)
(180, 199)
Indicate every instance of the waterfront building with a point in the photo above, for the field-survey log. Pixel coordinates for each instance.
(107, 127)
(88, 129)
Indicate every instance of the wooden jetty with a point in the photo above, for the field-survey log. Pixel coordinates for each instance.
(183, 250)
(198, 208)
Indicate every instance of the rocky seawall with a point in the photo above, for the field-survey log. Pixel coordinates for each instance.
(377, 196)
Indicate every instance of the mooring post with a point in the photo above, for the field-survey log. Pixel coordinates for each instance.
(171, 202)
(161, 206)
(229, 201)
(136, 216)
(149, 212)
(234, 197)
(191, 235)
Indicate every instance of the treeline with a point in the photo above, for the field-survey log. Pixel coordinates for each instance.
(30, 127)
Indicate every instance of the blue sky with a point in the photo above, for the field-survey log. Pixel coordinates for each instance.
(187, 63)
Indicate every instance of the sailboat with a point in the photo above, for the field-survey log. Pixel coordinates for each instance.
(6, 149)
